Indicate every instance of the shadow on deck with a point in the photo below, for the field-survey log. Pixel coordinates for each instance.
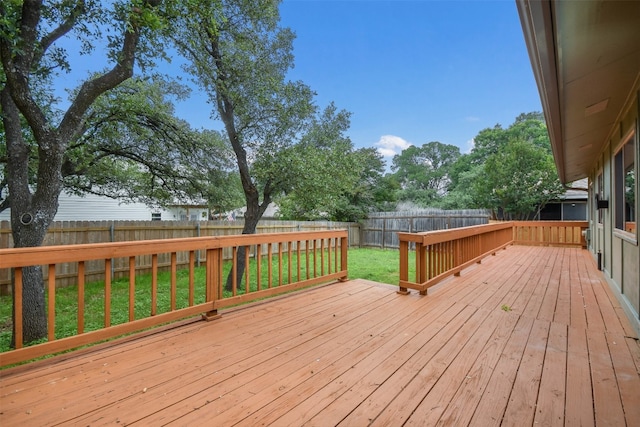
(532, 336)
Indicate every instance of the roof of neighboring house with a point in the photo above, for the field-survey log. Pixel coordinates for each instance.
(576, 190)
(586, 61)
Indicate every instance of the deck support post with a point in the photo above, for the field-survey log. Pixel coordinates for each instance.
(211, 315)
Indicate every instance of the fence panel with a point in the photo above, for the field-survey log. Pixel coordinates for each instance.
(381, 229)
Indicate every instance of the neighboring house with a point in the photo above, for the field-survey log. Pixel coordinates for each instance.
(586, 61)
(99, 208)
(187, 212)
(270, 213)
(571, 206)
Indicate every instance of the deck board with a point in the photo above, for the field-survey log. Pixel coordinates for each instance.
(532, 336)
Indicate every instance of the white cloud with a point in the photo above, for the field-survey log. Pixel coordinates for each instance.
(470, 145)
(390, 145)
(472, 119)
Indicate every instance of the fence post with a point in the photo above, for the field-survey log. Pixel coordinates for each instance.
(384, 231)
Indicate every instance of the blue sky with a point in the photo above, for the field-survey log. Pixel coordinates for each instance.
(411, 72)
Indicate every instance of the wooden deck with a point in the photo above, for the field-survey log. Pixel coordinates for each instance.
(532, 336)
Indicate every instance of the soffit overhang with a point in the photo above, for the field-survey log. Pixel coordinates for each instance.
(585, 57)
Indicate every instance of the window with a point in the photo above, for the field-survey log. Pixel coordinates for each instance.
(156, 216)
(625, 187)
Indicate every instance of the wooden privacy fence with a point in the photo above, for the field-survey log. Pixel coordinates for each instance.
(381, 229)
(276, 263)
(440, 254)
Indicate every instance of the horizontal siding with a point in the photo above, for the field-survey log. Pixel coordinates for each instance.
(92, 207)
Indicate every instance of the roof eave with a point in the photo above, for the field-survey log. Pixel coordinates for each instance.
(536, 18)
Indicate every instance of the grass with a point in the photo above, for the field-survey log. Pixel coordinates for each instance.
(372, 264)
(379, 265)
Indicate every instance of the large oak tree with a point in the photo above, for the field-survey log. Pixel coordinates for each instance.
(240, 56)
(38, 131)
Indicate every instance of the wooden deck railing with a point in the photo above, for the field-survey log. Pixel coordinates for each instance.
(277, 263)
(439, 254)
(549, 233)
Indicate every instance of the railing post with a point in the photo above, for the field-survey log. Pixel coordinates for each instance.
(213, 281)
(344, 252)
(404, 266)
(422, 269)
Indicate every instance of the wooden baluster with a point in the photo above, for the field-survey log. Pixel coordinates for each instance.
(107, 292)
(132, 287)
(269, 262)
(51, 311)
(174, 280)
(259, 266)
(192, 281)
(279, 264)
(17, 291)
(247, 270)
(81, 297)
(154, 284)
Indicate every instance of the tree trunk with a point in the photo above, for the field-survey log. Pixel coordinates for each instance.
(252, 217)
(31, 214)
(34, 315)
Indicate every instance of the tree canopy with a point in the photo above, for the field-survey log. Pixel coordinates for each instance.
(509, 171)
(424, 172)
(517, 181)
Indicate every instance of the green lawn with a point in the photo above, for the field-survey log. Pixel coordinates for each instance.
(372, 264)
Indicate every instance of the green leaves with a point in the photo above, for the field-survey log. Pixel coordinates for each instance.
(424, 172)
(518, 180)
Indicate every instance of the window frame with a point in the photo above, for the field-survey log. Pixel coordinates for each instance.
(625, 212)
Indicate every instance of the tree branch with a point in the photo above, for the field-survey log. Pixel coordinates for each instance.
(61, 30)
(91, 89)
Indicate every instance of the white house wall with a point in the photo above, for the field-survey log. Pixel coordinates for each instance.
(97, 208)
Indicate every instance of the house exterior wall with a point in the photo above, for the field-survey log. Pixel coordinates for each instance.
(618, 249)
(98, 208)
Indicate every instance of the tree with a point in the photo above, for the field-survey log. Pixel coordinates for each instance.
(322, 168)
(423, 172)
(134, 148)
(32, 57)
(372, 192)
(332, 180)
(478, 179)
(460, 194)
(489, 141)
(518, 181)
(240, 56)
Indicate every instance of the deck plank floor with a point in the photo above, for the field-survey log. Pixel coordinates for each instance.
(531, 336)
